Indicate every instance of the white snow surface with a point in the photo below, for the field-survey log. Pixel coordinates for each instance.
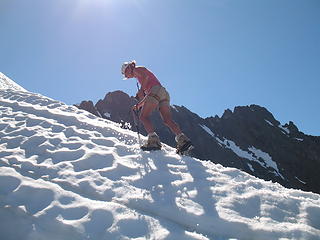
(107, 115)
(7, 83)
(284, 129)
(66, 174)
(269, 122)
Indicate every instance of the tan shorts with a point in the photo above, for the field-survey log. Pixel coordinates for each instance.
(158, 95)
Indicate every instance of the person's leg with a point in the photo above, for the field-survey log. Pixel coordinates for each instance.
(165, 113)
(147, 109)
(153, 142)
(183, 142)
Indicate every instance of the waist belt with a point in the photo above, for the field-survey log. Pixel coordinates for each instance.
(154, 96)
(157, 97)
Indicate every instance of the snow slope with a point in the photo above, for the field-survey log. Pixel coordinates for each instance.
(7, 83)
(66, 174)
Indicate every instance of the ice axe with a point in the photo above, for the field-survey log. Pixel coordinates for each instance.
(135, 114)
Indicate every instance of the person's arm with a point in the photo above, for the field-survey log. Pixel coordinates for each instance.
(140, 103)
(140, 95)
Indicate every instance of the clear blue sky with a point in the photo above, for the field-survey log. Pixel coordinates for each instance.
(211, 55)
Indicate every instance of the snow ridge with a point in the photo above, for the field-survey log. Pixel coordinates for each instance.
(7, 83)
(66, 174)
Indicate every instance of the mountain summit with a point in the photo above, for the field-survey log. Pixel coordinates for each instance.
(67, 174)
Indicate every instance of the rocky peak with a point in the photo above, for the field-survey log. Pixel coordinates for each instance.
(227, 114)
(117, 97)
(88, 106)
(255, 112)
(115, 105)
(292, 127)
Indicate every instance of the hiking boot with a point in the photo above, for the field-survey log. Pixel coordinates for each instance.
(153, 142)
(183, 143)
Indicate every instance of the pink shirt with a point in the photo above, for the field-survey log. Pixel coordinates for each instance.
(151, 82)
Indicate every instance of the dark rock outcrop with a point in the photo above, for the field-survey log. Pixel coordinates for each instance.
(88, 106)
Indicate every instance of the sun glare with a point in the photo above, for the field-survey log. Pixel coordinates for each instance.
(83, 7)
(85, 4)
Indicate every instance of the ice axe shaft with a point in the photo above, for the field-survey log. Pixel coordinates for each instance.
(135, 114)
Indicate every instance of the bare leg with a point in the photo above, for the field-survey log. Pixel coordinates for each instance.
(147, 109)
(167, 119)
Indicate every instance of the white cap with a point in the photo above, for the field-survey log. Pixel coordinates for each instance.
(124, 67)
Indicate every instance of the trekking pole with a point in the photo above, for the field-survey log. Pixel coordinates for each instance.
(135, 114)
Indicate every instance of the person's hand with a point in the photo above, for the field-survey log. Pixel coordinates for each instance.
(134, 107)
(140, 95)
(138, 106)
